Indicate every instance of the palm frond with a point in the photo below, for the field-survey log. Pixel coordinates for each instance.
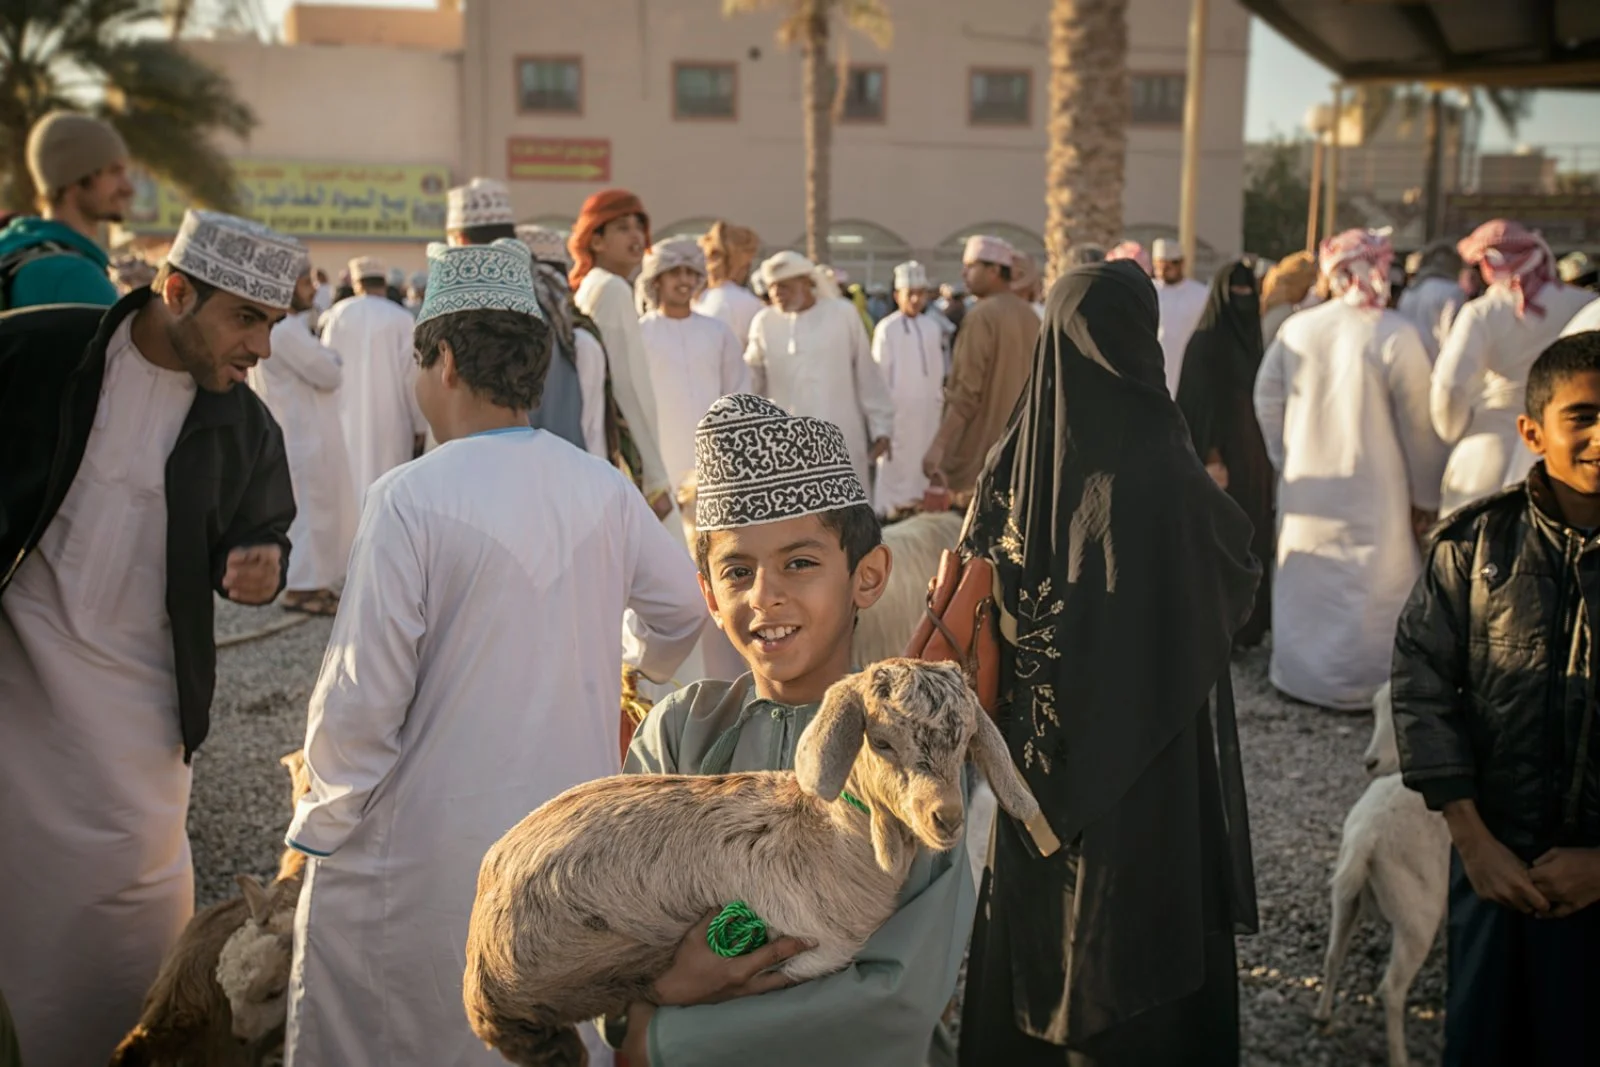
(870, 18)
(90, 55)
(154, 75)
(176, 153)
(1510, 106)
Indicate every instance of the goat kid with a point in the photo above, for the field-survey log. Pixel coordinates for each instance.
(583, 904)
(189, 1018)
(1394, 857)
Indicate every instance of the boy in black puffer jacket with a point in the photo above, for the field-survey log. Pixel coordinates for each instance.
(1494, 699)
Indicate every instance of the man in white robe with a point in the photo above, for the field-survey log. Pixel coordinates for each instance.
(1434, 295)
(1342, 398)
(730, 254)
(1587, 318)
(811, 356)
(1483, 367)
(909, 348)
(694, 359)
(473, 674)
(158, 485)
(1182, 300)
(300, 386)
(608, 243)
(383, 426)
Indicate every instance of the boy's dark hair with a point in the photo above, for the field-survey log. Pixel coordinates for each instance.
(203, 291)
(857, 526)
(501, 355)
(482, 235)
(1578, 354)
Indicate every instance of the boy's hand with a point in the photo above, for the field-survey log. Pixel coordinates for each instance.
(700, 976)
(251, 575)
(1498, 876)
(1569, 877)
(636, 1044)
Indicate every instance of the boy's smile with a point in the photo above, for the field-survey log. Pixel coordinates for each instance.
(1567, 437)
(784, 594)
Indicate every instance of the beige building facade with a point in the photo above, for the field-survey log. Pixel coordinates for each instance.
(941, 135)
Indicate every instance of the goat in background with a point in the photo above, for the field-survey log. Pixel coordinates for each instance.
(1394, 856)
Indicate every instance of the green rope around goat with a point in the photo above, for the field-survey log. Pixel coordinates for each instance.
(736, 930)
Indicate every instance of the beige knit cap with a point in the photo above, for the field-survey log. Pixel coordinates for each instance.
(65, 147)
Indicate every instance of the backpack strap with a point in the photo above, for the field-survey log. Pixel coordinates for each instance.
(11, 265)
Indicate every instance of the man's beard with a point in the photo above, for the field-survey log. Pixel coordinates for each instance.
(189, 346)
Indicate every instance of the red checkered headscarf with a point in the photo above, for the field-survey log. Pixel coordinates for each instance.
(1357, 261)
(1508, 253)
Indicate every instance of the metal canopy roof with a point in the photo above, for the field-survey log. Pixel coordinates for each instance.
(1527, 44)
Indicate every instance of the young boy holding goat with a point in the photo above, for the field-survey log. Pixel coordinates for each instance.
(1494, 704)
(789, 551)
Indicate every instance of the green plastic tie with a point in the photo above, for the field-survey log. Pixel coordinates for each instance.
(854, 802)
(736, 930)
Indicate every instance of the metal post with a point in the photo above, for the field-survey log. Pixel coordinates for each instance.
(1316, 192)
(1432, 180)
(1330, 205)
(1193, 92)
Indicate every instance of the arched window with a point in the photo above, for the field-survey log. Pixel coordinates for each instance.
(946, 266)
(865, 250)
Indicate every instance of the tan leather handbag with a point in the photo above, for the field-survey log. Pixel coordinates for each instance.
(961, 624)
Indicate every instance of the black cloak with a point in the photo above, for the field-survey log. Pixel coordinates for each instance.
(1215, 394)
(1123, 572)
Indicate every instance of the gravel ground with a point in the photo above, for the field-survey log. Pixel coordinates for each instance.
(1302, 768)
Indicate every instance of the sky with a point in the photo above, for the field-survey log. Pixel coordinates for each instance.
(1284, 82)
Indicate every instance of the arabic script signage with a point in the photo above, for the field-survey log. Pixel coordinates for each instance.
(332, 201)
(558, 159)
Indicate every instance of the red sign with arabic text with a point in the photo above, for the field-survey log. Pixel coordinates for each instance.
(558, 159)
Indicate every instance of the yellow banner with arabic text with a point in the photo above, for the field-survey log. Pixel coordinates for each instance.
(327, 201)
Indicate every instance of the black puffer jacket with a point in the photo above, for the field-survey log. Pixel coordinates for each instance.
(1494, 671)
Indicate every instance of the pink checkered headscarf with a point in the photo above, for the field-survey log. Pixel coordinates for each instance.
(1508, 253)
(1357, 262)
(1131, 250)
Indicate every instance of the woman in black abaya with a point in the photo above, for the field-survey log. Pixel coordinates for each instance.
(1215, 396)
(1124, 572)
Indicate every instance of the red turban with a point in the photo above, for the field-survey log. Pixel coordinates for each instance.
(601, 209)
(1508, 253)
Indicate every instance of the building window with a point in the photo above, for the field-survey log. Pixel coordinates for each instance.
(705, 91)
(863, 94)
(1156, 99)
(550, 85)
(1000, 98)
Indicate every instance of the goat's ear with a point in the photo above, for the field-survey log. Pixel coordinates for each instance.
(299, 775)
(829, 747)
(888, 841)
(988, 750)
(256, 899)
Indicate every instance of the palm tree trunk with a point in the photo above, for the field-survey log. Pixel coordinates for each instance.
(1087, 157)
(20, 194)
(818, 129)
(1435, 162)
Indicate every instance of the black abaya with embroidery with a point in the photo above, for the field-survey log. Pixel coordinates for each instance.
(1123, 572)
(1215, 394)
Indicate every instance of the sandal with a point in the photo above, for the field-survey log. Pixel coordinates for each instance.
(318, 602)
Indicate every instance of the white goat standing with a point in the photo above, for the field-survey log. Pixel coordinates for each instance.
(1395, 855)
(583, 903)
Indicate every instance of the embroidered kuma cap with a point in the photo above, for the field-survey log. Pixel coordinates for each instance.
(982, 248)
(497, 276)
(238, 256)
(911, 275)
(481, 202)
(756, 463)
